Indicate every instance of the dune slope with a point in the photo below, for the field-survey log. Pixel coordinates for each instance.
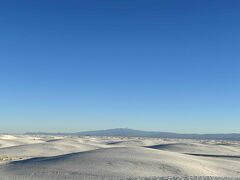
(120, 162)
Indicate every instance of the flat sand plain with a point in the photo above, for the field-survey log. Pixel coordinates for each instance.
(72, 157)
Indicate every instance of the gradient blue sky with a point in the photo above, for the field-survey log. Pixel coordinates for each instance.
(76, 65)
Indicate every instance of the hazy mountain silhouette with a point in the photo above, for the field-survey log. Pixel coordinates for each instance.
(125, 132)
(131, 133)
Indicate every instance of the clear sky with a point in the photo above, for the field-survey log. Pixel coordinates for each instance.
(73, 65)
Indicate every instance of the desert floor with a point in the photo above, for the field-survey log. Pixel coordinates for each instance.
(65, 157)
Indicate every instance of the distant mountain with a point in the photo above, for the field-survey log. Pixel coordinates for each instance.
(116, 132)
(125, 132)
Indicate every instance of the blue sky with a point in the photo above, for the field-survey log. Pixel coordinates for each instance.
(164, 65)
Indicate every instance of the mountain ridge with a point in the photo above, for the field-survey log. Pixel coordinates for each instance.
(126, 132)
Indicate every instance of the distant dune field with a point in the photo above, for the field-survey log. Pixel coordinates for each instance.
(84, 157)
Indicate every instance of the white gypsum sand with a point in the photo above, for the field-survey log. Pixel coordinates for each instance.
(65, 157)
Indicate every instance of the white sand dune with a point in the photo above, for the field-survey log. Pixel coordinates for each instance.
(123, 162)
(107, 157)
(182, 178)
(47, 148)
(198, 148)
(15, 140)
